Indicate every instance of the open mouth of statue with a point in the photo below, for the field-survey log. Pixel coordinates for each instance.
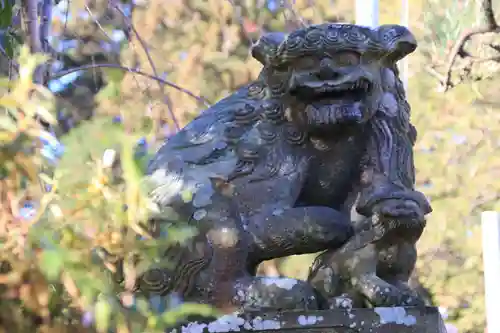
(332, 91)
(332, 102)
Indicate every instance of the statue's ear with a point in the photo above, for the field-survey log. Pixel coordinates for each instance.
(266, 47)
(397, 40)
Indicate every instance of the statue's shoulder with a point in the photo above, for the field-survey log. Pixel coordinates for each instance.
(211, 133)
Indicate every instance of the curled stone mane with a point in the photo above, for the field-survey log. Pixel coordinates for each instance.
(185, 264)
(263, 137)
(393, 104)
(251, 126)
(332, 36)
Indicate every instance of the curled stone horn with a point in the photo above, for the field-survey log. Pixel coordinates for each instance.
(266, 48)
(398, 41)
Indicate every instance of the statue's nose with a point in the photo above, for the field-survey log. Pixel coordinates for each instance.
(328, 71)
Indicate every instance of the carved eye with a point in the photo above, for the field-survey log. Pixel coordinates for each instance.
(346, 58)
(282, 68)
(305, 63)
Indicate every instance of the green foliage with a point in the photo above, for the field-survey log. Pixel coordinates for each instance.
(9, 40)
(445, 21)
(5, 14)
(57, 241)
(203, 46)
(114, 78)
(455, 159)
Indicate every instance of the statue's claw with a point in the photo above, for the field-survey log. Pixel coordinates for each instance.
(343, 302)
(379, 292)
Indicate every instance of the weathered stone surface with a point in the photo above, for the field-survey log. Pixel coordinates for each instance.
(376, 320)
(314, 156)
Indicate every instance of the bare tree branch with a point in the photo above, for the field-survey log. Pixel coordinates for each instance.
(487, 14)
(144, 46)
(459, 45)
(200, 99)
(488, 24)
(45, 24)
(30, 10)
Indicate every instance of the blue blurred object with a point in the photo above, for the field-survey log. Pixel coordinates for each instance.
(167, 131)
(117, 119)
(174, 300)
(141, 148)
(142, 142)
(28, 210)
(158, 304)
(61, 116)
(87, 318)
(52, 149)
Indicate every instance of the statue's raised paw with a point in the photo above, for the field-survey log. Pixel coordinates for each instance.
(399, 208)
(395, 213)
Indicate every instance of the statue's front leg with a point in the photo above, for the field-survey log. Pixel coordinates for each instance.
(291, 231)
(389, 197)
(387, 181)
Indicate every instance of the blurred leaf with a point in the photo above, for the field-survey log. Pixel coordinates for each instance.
(9, 102)
(28, 62)
(6, 15)
(110, 91)
(79, 150)
(51, 264)
(187, 195)
(7, 123)
(5, 82)
(114, 75)
(45, 115)
(8, 44)
(184, 310)
(6, 137)
(28, 168)
(133, 176)
(102, 312)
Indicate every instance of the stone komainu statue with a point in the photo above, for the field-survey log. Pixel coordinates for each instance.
(277, 168)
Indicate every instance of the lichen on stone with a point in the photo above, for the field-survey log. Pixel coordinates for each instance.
(396, 315)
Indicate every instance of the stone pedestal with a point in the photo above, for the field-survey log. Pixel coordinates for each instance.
(377, 320)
